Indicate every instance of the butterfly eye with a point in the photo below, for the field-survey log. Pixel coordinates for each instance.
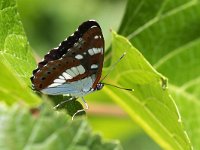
(99, 86)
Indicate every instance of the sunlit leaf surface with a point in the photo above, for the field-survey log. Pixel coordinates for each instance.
(167, 33)
(150, 104)
(16, 60)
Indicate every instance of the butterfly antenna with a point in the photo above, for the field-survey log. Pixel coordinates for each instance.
(128, 89)
(113, 66)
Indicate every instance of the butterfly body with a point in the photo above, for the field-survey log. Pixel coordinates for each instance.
(74, 67)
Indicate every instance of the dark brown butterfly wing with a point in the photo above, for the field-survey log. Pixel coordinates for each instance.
(78, 57)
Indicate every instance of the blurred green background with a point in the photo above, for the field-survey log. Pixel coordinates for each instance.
(48, 22)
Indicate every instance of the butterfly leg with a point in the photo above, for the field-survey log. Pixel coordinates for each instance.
(63, 102)
(81, 110)
(85, 103)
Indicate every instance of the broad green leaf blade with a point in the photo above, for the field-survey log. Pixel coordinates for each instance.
(161, 24)
(168, 35)
(48, 130)
(12, 90)
(16, 60)
(150, 104)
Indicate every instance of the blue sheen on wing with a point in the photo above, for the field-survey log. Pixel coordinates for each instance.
(77, 88)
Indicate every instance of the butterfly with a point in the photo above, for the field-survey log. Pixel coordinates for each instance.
(75, 66)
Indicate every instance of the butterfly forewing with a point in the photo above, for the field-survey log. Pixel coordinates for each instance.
(77, 59)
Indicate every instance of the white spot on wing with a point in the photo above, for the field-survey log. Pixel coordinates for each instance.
(67, 76)
(79, 56)
(91, 52)
(101, 50)
(93, 26)
(54, 85)
(70, 72)
(94, 66)
(61, 77)
(59, 81)
(96, 37)
(81, 69)
(96, 50)
(75, 70)
(80, 39)
(75, 44)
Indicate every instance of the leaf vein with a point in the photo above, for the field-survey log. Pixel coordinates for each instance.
(175, 52)
(190, 83)
(151, 114)
(158, 18)
(186, 94)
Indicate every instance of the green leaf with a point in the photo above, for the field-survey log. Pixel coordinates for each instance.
(16, 60)
(150, 104)
(168, 35)
(47, 130)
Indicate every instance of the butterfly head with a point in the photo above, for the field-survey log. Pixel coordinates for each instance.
(99, 86)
